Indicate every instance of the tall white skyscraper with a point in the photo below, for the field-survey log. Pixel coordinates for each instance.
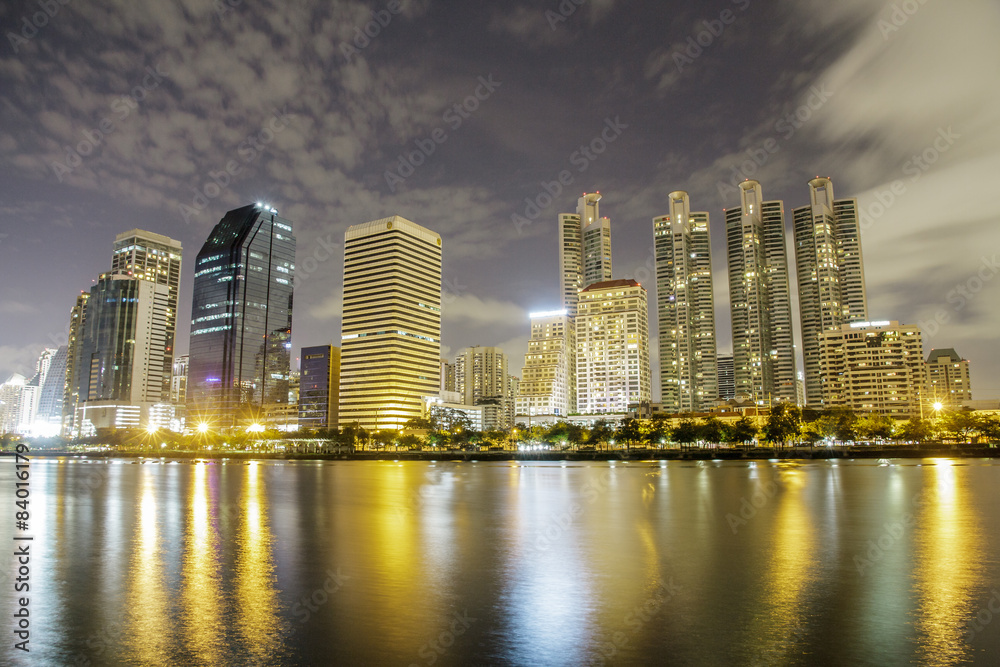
(485, 381)
(548, 379)
(831, 273)
(156, 258)
(760, 302)
(685, 307)
(584, 249)
(612, 348)
(391, 349)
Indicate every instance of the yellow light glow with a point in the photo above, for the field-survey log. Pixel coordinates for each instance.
(202, 427)
(255, 428)
(938, 405)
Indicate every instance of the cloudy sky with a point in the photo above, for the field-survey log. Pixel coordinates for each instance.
(115, 115)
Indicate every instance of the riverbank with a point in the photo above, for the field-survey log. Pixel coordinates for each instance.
(818, 453)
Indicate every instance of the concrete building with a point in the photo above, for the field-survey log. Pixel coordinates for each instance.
(319, 387)
(612, 347)
(948, 378)
(584, 249)
(178, 380)
(831, 275)
(873, 367)
(548, 378)
(685, 307)
(760, 302)
(156, 258)
(391, 350)
(727, 380)
(71, 397)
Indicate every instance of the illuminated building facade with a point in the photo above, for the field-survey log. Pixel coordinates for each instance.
(391, 342)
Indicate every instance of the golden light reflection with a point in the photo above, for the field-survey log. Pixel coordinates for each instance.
(148, 618)
(257, 618)
(790, 572)
(200, 592)
(949, 554)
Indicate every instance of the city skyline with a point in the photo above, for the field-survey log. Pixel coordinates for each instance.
(924, 253)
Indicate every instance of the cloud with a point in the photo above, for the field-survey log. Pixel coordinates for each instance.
(470, 309)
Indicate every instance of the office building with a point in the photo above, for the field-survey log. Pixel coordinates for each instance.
(319, 387)
(120, 351)
(482, 379)
(241, 319)
(178, 380)
(948, 378)
(548, 378)
(685, 307)
(612, 348)
(11, 393)
(760, 302)
(71, 398)
(156, 258)
(873, 367)
(831, 275)
(391, 349)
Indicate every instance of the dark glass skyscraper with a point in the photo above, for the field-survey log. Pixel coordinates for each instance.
(319, 387)
(241, 319)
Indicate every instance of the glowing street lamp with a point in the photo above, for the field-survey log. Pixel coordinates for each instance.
(203, 427)
(938, 405)
(255, 428)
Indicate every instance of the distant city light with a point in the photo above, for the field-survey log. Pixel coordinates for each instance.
(550, 313)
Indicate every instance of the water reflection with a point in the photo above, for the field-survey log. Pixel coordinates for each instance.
(949, 557)
(201, 593)
(148, 618)
(256, 604)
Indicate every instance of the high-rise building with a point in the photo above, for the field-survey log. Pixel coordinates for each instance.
(319, 387)
(948, 377)
(584, 249)
(53, 384)
(685, 306)
(830, 271)
(873, 367)
(612, 348)
(391, 350)
(760, 302)
(727, 378)
(71, 398)
(11, 393)
(447, 375)
(178, 380)
(119, 355)
(241, 319)
(155, 258)
(486, 382)
(548, 379)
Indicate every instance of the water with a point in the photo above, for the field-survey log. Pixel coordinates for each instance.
(416, 563)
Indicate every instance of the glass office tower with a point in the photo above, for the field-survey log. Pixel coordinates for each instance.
(241, 319)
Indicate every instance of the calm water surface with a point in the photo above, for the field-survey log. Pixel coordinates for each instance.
(416, 563)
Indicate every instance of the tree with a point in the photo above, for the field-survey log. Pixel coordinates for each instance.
(713, 430)
(656, 433)
(743, 430)
(628, 432)
(418, 424)
(784, 422)
(411, 441)
(600, 432)
(960, 424)
(989, 427)
(686, 431)
(916, 430)
(876, 427)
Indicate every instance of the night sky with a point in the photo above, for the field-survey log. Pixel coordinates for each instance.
(115, 115)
